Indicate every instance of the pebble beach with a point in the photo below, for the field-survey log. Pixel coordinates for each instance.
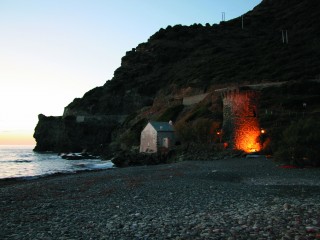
(222, 199)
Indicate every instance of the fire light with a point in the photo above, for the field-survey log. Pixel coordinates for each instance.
(247, 134)
(240, 122)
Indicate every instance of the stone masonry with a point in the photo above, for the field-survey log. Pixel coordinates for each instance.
(240, 121)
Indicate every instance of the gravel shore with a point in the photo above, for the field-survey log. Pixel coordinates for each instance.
(222, 199)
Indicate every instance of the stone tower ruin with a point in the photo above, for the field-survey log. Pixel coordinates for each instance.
(240, 127)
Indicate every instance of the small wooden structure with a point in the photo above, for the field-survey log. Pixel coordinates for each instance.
(156, 136)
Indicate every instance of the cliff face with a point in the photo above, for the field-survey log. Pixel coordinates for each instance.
(71, 134)
(194, 57)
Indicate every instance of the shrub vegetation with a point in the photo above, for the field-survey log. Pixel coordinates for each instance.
(300, 144)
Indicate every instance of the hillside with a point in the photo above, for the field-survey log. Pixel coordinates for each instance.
(202, 56)
(182, 61)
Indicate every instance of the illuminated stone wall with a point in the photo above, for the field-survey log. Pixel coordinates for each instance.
(240, 121)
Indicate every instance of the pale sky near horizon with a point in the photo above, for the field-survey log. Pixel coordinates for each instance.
(52, 51)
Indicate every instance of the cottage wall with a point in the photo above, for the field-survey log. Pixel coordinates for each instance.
(148, 140)
(165, 136)
(240, 121)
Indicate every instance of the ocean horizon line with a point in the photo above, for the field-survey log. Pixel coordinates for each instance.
(16, 146)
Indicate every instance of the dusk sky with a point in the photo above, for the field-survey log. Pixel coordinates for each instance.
(52, 51)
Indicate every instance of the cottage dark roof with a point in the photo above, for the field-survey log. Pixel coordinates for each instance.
(162, 126)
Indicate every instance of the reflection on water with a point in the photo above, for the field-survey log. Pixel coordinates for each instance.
(18, 162)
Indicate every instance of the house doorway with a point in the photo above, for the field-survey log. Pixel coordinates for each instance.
(165, 142)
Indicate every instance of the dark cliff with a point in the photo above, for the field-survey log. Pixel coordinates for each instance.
(201, 58)
(69, 135)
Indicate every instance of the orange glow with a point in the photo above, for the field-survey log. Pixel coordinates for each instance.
(263, 131)
(240, 120)
(12, 138)
(246, 135)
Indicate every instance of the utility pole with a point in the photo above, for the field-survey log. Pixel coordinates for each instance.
(285, 39)
(223, 16)
(242, 22)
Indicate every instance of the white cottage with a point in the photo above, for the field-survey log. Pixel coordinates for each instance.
(157, 135)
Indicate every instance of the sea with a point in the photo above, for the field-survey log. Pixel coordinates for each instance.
(21, 162)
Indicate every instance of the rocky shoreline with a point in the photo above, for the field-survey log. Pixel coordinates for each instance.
(223, 199)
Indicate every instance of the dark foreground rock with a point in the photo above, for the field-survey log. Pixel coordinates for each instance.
(126, 159)
(78, 156)
(223, 199)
